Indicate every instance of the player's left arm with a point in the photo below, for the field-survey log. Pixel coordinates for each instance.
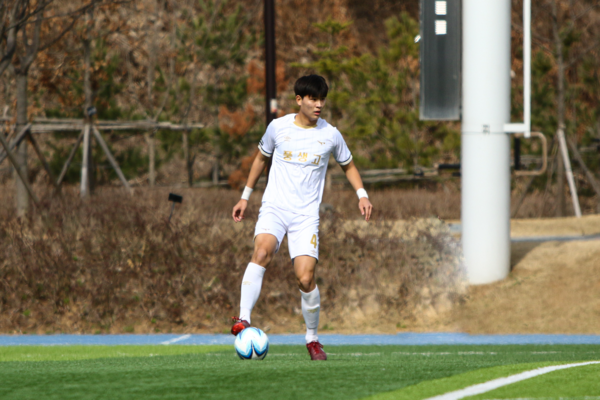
(364, 205)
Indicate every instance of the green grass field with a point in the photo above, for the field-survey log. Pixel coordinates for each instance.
(352, 372)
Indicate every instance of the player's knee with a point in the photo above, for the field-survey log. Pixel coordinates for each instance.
(261, 257)
(306, 283)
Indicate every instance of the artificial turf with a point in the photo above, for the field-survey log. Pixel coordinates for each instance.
(192, 372)
(72, 353)
(579, 382)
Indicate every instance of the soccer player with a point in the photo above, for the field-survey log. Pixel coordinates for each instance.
(299, 145)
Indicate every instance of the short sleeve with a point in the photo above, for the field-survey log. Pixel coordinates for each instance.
(267, 143)
(341, 152)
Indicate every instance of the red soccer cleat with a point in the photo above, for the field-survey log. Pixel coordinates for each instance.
(315, 349)
(238, 325)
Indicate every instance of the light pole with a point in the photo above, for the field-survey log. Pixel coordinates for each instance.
(271, 95)
(485, 148)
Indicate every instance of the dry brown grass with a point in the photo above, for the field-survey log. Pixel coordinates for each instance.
(394, 204)
(553, 288)
(114, 263)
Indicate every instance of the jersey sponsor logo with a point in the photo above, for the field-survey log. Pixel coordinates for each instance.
(246, 283)
(314, 310)
(301, 157)
(320, 142)
(287, 139)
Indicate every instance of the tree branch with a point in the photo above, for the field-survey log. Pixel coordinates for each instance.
(79, 10)
(60, 35)
(589, 175)
(575, 59)
(11, 40)
(32, 50)
(585, 12)
(75, 16)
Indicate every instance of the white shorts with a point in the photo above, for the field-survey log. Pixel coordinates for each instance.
(302, 230)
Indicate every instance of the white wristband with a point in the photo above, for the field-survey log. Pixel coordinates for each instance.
(247, 193)
(362, 193)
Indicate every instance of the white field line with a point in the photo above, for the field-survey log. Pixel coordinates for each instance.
(555, 398)
(496, 383)
(177, 339)
(468, 353)
(460, 353)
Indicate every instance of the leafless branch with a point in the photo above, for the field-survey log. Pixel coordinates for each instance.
(168, 89)
(26, 18)
(35, 44)
(544, 7)
(582, 14)
(60, 35)
(11, 38)
(575, 59)
(75, 16)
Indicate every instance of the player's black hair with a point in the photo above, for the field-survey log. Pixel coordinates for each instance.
(311, 85)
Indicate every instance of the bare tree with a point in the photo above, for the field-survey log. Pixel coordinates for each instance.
(28, 21)
(24, 56)
(567, 19)
(11, 13)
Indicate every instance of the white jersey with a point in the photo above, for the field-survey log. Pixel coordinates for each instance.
(300, 158)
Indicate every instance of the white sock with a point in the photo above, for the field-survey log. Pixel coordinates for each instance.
(311, 308)
(251, 284)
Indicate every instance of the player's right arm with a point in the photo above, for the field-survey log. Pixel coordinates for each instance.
(257, 168)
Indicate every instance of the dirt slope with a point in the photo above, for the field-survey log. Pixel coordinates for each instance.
(554, 287)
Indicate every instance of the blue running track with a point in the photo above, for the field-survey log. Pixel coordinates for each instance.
(398, 339)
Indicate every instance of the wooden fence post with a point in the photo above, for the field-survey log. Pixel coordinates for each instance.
(111, 159)
(85, 182)
(40, 155)
(68, 163)
(16, 141)
(151, 158)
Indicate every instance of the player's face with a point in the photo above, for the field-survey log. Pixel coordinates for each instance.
(310, 107)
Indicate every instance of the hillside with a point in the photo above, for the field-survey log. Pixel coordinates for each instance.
(554, 287)
(114, 264)
(194, 61)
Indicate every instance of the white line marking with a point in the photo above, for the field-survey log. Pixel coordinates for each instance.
(496, 383)
(471, 353)
(460, 353)
(177, 339)
(555, 398)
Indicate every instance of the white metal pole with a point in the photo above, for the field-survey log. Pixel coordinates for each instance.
(85, 186)
(525, 126)
(485, 145)
(567, 162)
(527, 66)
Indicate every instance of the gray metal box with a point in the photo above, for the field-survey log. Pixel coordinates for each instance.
(440, 59)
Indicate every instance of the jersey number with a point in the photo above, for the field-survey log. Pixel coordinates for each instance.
(313, 241)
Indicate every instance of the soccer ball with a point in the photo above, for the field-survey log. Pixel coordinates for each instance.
(251, 344)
